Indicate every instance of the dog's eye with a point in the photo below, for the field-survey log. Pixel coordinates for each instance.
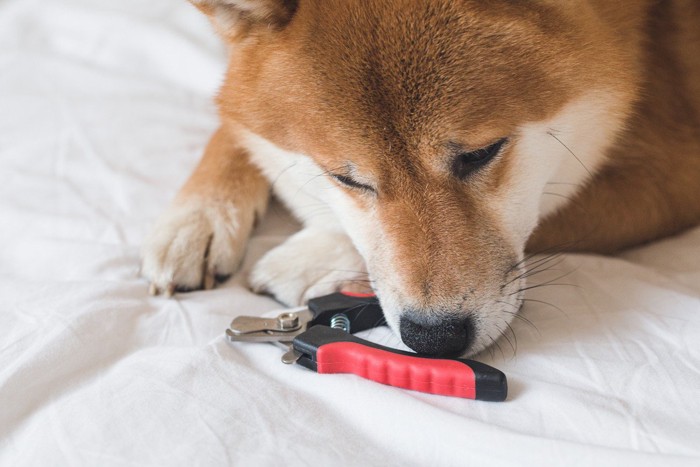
(347, 181)
(467, 162)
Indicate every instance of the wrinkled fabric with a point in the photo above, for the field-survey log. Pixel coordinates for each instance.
(104, 109)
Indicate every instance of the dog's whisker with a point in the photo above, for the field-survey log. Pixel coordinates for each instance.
(563, 183)
(543, 260)
(498, 346)
(514, 344)
(545, 285)
(571, 199)
(550, 282)
(555, 249)
(551, 133)
(491, 348)
(515, 315)
(542, 266)
(544, 303)
(503, 334)
(515, 338)
(541, 271)
(559, 195)
(551, 261)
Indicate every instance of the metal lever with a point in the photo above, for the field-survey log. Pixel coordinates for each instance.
(286, 322)
(283, 327)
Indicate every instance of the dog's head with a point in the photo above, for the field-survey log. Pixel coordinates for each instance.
(438, 125)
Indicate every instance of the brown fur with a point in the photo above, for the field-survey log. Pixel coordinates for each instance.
(375, 102)
(225, 172)
(391, 92)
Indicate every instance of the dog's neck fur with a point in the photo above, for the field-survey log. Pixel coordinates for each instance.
(650, 185)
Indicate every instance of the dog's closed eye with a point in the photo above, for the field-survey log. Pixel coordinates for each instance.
(347, 181)
(466, 163)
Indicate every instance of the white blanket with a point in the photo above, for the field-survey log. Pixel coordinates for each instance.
(105, 107)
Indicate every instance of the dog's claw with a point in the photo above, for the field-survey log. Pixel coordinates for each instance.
(170, 290)
(152, 289)
(221, 278)
(209, 280)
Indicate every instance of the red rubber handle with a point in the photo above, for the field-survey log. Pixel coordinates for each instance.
(328, 350)
(433, 376)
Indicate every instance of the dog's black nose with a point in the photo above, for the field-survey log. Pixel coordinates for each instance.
(436, 336)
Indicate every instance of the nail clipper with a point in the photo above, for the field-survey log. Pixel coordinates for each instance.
(318, 337)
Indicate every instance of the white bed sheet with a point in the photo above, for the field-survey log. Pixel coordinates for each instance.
(104, 109)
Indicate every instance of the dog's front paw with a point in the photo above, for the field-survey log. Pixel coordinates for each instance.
(310, 264)
(194, 244)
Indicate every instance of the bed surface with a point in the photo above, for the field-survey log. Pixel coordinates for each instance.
(104, 109)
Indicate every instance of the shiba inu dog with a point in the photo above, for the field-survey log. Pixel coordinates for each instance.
(431, 143)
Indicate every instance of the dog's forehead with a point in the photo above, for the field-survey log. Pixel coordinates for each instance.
(408, 65)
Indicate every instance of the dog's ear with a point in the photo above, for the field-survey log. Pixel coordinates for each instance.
(235, 18)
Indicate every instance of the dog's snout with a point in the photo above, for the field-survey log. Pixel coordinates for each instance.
(443, 336)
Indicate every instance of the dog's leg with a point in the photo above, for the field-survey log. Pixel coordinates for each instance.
(202, 236)
(624, 207)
